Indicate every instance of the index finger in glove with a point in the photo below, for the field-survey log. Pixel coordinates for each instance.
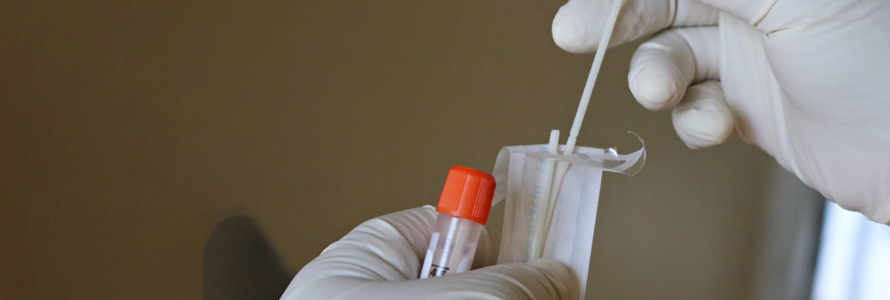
(578, 25)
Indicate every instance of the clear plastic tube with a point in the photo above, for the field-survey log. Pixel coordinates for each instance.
(463, 209)
(452, 246)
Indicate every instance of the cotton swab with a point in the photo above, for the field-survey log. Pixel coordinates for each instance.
(562, 167)
(591, 77)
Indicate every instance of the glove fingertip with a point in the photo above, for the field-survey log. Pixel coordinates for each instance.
(703, 120)
(701, 129)
(655, 89)
(573, 31)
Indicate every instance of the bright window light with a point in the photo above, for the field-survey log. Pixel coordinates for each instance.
(854, 258)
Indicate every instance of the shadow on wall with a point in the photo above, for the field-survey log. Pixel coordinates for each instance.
(239, 263)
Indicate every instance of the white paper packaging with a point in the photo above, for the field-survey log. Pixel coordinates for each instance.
(518, 172)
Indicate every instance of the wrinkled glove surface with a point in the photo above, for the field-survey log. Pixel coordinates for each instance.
(381, 259)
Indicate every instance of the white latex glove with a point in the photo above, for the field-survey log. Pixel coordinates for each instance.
(806, 80)
(381, 259)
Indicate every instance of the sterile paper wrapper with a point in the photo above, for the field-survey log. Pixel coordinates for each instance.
(518, 172)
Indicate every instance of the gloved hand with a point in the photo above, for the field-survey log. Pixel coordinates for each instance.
(381, 259)
(808, 81)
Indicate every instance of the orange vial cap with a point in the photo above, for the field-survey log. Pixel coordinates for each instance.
(467, 194)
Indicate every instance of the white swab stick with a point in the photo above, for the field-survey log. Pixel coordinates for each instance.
(585, 97)
(591, 77)
(562, 166)
(553, 145)
(540, 217)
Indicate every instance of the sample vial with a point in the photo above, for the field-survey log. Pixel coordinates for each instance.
(463, 210)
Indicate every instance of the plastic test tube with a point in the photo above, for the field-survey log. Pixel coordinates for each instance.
(463, 211)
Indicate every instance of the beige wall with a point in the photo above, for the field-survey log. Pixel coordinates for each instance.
(130, 128)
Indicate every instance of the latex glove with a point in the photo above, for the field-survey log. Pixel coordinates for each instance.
(808, 81)
(381, 259)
